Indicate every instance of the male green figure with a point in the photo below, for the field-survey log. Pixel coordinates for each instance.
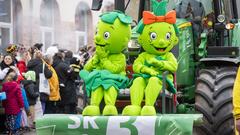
(107, 66)
(157, 37)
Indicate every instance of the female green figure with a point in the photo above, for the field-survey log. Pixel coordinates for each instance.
(157, 37)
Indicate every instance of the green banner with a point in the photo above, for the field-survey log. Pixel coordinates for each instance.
(167, 124)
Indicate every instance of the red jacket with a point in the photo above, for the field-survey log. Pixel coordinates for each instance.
(21, 65)
(14, 101)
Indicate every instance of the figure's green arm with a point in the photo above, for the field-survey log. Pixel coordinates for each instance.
(170, 64)
(139, 63)
(115, 63)
(92, 63)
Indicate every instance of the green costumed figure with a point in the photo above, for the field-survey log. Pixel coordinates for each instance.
(157, 37)
(104, 74)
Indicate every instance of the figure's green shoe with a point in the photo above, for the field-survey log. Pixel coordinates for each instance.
(91, 111)
(131, 110)
(110, 110)
(148, 111)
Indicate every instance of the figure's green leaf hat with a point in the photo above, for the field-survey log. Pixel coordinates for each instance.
(159, 9)
(110, 17)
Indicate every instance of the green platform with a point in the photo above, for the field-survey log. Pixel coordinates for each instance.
(167, 124)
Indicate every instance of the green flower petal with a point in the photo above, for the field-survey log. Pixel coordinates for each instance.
(125, 19)
(110, 17)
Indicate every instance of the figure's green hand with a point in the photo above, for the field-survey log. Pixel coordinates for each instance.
(101, 52)
(149, 71)
(95, 60)
(155, 62)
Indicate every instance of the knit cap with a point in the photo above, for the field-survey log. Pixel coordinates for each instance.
(30, 75)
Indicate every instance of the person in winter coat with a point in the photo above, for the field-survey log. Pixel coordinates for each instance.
(63, 72)
(8, 64)
(8, 61)
(84, 55)
(32, 94)
(51, 105)
(23, 56)
(14, 101)
(29, 85)
(68, 56)
(5, 64)
(36, 65)
(71, 87)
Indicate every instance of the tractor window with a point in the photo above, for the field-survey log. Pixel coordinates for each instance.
(227, 9)
(133, 8)
(238, 9)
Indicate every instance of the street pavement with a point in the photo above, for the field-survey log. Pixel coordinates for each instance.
(31, 132)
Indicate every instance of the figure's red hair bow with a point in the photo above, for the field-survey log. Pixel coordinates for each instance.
(149, 17)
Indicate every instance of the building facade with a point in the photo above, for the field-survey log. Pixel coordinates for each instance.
(68, 23)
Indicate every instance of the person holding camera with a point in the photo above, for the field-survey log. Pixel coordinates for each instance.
(36, 65)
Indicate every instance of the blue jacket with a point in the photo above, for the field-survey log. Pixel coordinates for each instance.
(26, 107)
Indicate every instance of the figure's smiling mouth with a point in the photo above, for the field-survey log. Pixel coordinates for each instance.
(102, 45)
(160, 49)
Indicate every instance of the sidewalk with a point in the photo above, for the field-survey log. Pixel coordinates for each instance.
(31, 132)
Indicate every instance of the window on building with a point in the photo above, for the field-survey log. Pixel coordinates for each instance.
(17, 21)
(5, 11)
(83, 22)
(109, 6)
(4, 38)
(49, 14)
(5, 24)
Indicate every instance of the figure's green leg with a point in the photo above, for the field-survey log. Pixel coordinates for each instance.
(96, 98)
(152, 91)
(136, 94)
(110, 97)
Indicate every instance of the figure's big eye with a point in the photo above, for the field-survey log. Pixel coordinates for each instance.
(106, 35)
(168, 36)
(153, 35)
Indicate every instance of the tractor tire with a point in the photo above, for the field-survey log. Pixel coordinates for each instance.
(213, 99)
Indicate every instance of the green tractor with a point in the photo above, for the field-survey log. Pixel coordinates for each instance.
(208, 61)
(208, 56)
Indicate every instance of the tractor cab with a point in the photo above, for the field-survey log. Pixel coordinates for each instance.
(212, 25)
(208, 61)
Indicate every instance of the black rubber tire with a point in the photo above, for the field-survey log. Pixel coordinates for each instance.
(213, 98)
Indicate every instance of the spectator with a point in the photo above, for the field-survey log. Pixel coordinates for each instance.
(22, 59)
(14, 101)
(32, 94)
(36, 65)
(63, 74)
(36, 47)
(7, 62)
(84, 55)
(52, 50)
(51, 105)
(71, 87)
(68, 56)
(7, 66)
